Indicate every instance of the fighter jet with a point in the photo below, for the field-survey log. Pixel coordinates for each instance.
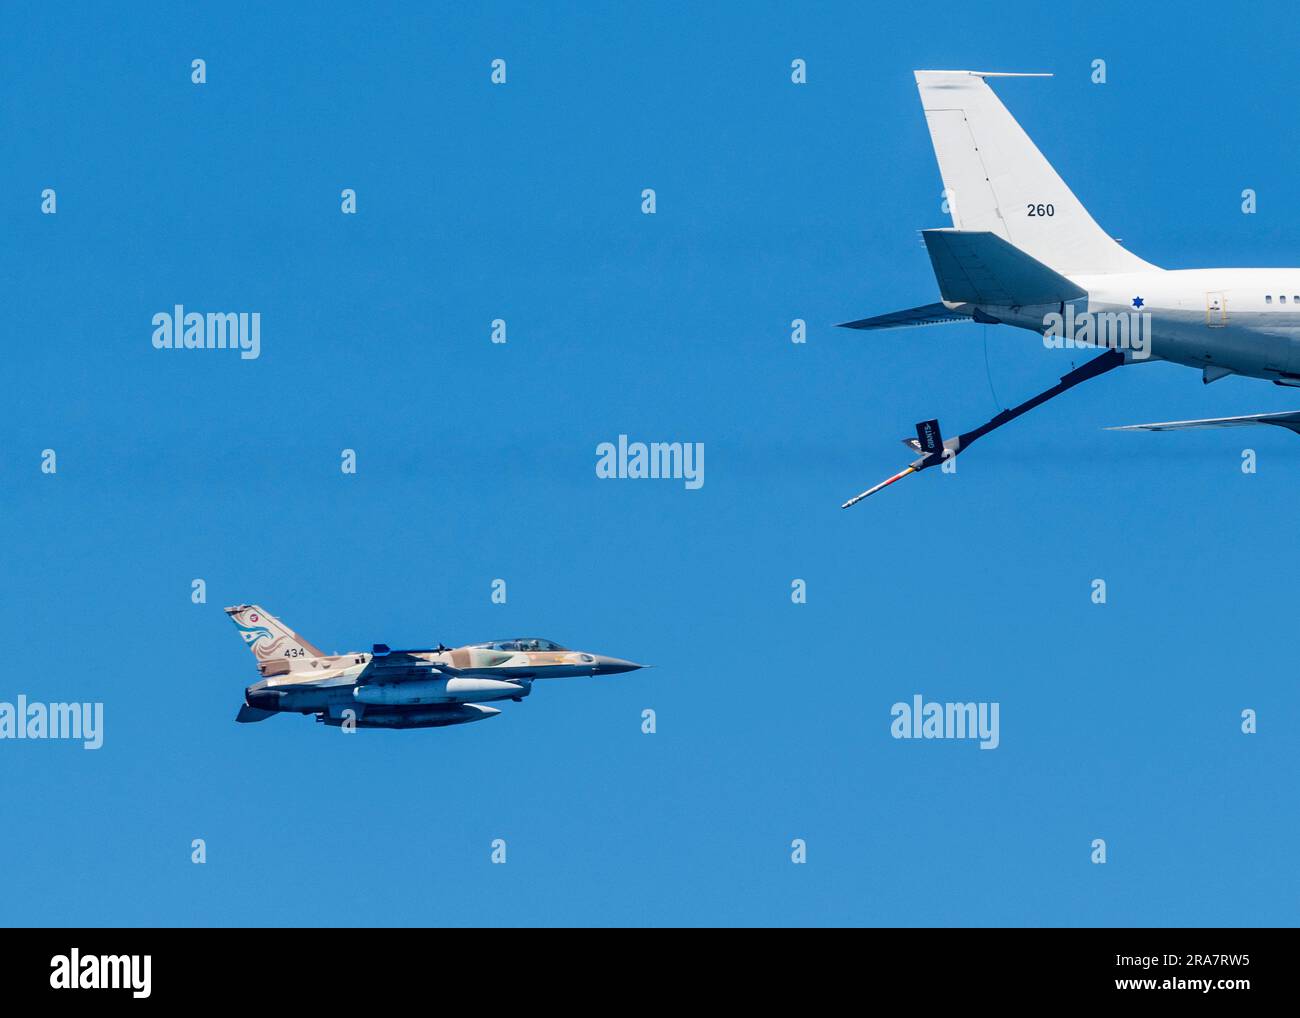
(388, 688)
(1024, 252)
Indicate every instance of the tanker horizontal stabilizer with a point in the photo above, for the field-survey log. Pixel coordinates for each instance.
(929, 314)
(979, 267)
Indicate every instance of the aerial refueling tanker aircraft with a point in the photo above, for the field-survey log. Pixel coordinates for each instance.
(398, 688)
(1022, 249)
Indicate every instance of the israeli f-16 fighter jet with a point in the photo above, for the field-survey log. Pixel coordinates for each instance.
(1023, 251)
(388, 688)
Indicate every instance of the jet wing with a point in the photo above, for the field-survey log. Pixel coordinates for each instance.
(1289, 419)
(387, 665)
(930, 314)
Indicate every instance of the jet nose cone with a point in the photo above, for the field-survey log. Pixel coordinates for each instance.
(614, 665)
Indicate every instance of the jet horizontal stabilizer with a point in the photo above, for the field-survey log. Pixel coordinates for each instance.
(928, 314)
(247, 715)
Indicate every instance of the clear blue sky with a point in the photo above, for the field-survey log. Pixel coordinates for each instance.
(476, 461)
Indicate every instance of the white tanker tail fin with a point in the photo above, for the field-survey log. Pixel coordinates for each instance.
(996, 180)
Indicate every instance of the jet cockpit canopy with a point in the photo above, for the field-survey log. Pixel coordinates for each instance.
(522, 643)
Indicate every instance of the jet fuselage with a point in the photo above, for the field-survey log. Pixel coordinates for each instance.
(398, 688)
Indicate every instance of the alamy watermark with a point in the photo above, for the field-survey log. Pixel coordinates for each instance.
(75, 971)
(84, 721)
(1115, 330)
(683, 461)
(933, 720)
(223, 330)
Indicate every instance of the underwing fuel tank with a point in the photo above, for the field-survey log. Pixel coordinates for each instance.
(453, 714)
(428, 691)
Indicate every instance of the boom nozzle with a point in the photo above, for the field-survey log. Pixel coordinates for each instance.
(883, 484)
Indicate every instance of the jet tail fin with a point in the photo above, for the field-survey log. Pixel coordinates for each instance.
(278, 648)
(995, 179)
